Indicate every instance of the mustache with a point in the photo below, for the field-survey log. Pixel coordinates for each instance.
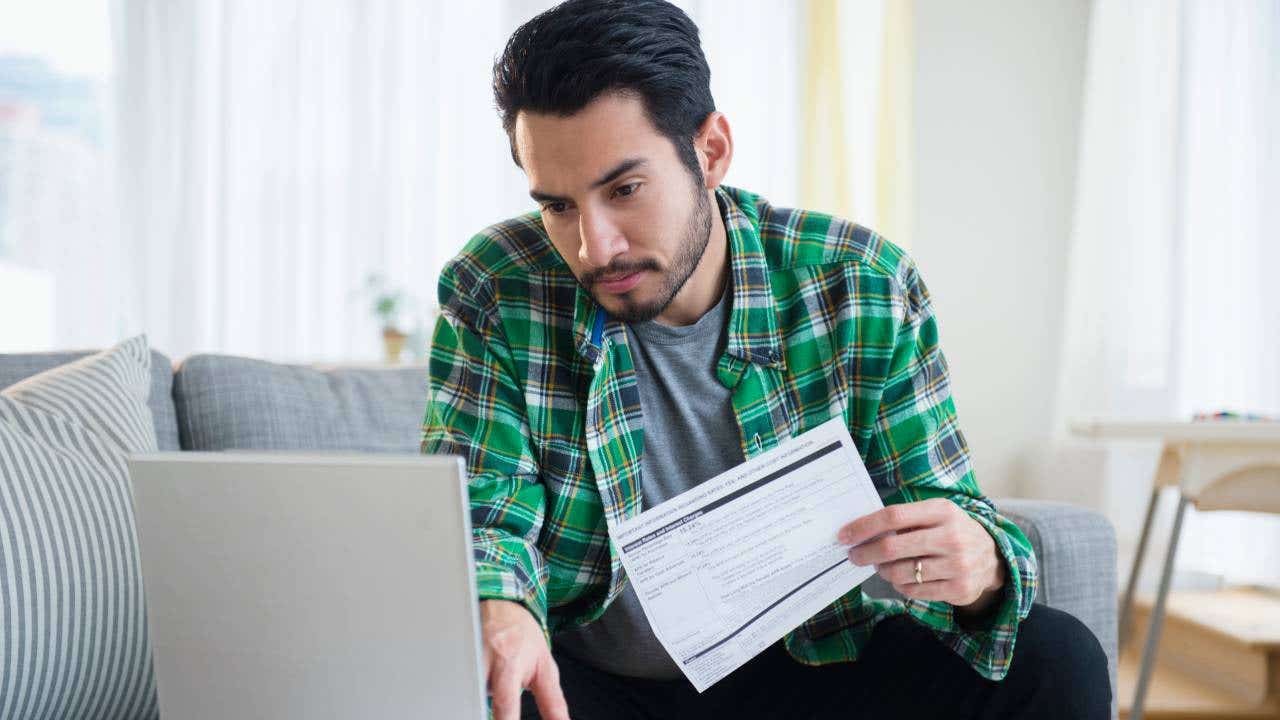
(618, 269)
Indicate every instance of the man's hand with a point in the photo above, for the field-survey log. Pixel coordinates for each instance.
(958, 559)
(516, 657)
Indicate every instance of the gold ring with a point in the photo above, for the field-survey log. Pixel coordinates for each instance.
(919, 578)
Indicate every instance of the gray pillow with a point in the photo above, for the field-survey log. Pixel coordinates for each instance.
(73, 629)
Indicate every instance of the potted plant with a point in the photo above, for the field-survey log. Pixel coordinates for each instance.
(388, 307)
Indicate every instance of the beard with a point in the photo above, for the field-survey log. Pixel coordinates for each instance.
(697, 235)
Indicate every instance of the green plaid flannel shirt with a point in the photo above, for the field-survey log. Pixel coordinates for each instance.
(533, 384)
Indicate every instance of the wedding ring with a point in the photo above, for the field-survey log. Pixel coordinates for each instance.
(919, 577)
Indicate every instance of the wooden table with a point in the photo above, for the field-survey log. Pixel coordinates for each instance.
(1213, 464)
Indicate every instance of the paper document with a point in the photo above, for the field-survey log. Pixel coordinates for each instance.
(726, 569)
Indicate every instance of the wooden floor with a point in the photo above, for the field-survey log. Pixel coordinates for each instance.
(1219, 657)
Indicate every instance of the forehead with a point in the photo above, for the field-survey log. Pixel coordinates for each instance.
(562, 153)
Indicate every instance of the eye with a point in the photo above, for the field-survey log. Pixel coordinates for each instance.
(627, 190)
(555, 208)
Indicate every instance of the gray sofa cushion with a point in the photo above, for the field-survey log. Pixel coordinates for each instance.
(227, 402)
(73, 634)
(20, 366)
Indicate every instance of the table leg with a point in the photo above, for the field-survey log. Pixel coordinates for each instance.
(1126, 605)
(1157, 614)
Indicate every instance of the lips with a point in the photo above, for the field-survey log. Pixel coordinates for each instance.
(620, 283)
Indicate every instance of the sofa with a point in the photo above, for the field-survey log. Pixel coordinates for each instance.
(217, 402)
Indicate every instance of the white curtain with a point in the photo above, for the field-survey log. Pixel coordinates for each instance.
(274, 154)
(1172, 307)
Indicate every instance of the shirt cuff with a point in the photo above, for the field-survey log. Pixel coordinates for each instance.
(986, 642)
(514, 582)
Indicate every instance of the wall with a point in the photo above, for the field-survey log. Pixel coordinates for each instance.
(998, 99)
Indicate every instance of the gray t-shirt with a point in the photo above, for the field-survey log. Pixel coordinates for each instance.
(690, 435)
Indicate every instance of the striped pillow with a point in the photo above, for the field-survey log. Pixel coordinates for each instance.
(73, 630)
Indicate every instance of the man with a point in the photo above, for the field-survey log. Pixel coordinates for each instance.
(648, 328)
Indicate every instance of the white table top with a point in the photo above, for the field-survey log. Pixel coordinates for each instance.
(1208, 431)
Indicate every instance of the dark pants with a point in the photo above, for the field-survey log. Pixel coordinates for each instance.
(1058, 671)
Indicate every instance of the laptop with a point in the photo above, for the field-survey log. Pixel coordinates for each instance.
(285, 585)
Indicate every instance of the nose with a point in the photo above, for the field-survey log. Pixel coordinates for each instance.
(601, 239)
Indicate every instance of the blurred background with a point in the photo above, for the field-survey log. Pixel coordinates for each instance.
(1089, 189)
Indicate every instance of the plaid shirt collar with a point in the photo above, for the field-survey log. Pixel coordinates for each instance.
(753, 335)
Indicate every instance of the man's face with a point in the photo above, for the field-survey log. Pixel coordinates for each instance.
(624, 212)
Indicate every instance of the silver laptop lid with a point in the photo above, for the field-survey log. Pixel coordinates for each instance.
(285, 585)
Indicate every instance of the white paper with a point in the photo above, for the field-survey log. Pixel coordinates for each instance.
(726, 569)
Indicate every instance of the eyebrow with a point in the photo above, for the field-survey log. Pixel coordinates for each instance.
(618, 170)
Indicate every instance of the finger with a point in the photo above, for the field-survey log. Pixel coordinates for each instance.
(903, 572)
(896, 517)
(938, 591)
(891, 548)
(547, 692)
(504, 689)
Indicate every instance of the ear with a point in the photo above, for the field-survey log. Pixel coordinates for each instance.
(714, 147)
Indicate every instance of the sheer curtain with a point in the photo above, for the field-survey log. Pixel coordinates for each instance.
(857, 103)
(1172, 308)
(274, 154)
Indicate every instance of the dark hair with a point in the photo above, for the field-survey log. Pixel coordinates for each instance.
(561, 60)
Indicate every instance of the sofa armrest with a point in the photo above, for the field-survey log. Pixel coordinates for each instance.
(1076, 549)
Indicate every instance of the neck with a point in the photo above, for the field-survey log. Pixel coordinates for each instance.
(706, 285)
